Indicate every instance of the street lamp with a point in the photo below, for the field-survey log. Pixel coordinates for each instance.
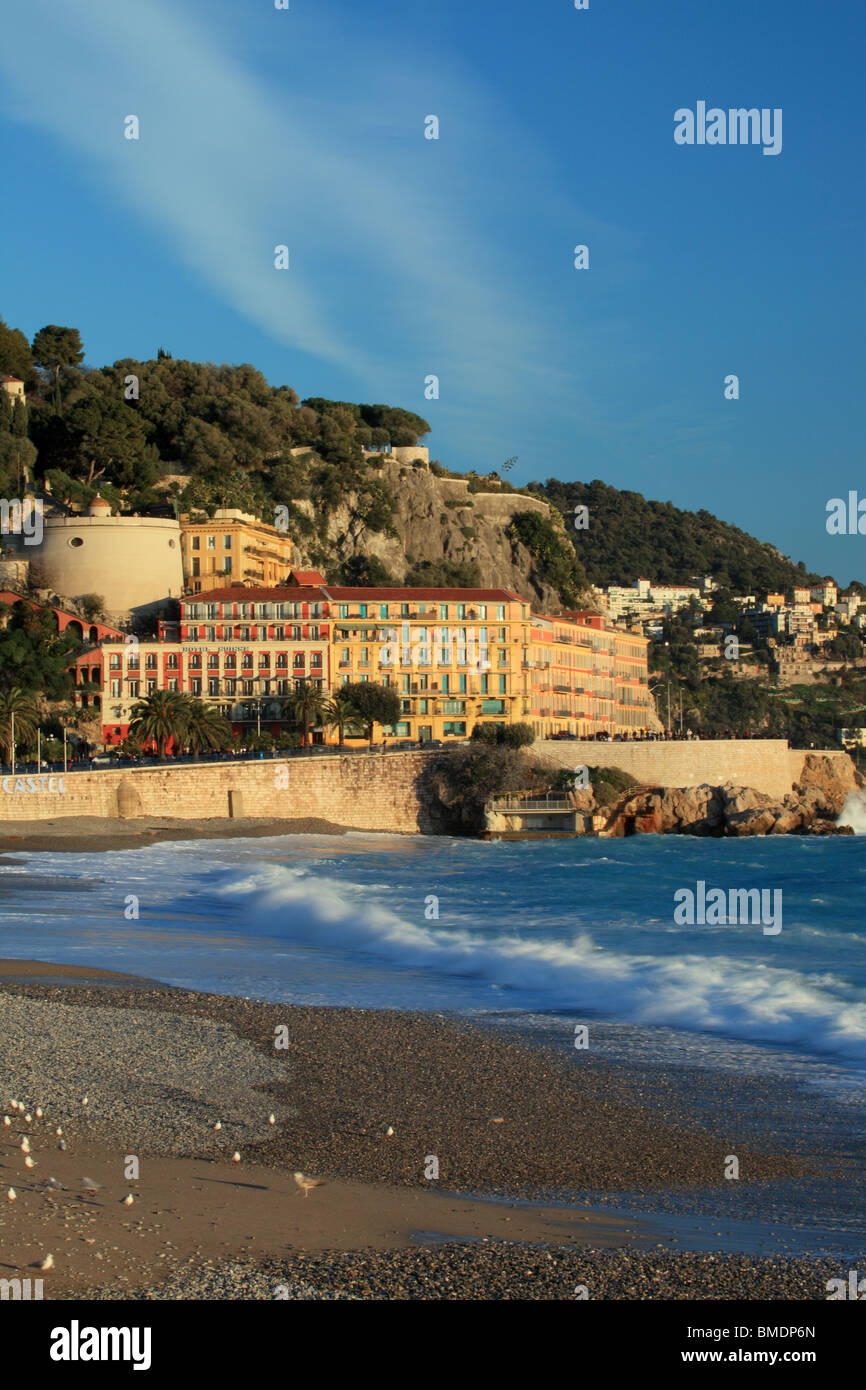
(660, 686)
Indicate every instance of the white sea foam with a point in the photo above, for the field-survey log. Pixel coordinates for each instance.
(716, 994)
(853, 812)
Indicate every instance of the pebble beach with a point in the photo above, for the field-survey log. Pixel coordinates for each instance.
(515, 1131)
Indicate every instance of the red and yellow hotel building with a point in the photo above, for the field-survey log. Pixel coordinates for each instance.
(456, 657)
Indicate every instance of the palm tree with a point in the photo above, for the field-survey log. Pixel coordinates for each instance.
(18, 703)
(205, 727)
(161, 716)
(306, 704)
(339, 713)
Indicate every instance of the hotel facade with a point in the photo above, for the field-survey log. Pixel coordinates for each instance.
(456, 657)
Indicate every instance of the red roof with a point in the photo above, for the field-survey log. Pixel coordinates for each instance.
(304, 578)
(443, 595)
(243, 593)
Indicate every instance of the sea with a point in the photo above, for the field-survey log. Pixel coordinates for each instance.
(572, 943)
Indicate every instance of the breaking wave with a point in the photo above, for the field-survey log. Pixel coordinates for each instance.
(719, 994)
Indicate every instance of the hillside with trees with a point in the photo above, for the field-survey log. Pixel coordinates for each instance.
(629, 538)
(196, 435)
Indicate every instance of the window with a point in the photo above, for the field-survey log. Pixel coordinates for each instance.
(196, 542)
(500, 612)
(171, 661)
(503, 685)
(383, 610)
(132, 661)
(211, 542)
(462, 684)
(114, 661)
(195, 685)
(461, 611)
(344, 656)
(133, 689)
(445, 685)
(213, 686)
(282, 659)
(150, 661)
(316, 659)
(247, 661)
(298, 661)
(485, 683)
(247, 687)
(443, 612)
(424, 681)
(213, 661)
(482, 610)
(194, 661)
(115, 687)
(210, 634)
(151, 686)
(422, 706)
(365, 656)
(196, 567)
(227, 542)
(344, 610)
(231, 661)
(404, 684)
(173, 684)
(231, 686)
(279, 634)
(362, 610)
(404, 610)
(264, 661)
(503, 656)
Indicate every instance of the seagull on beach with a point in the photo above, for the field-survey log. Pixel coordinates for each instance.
(218, 1126)
(58, 1131)
(55, 1185)
(6, 1120)
(11, 1195)
(24, 1146)
(236, 1158)
(128, 1200)
(389, 1132)
(30, 1162)
(307, 1184)
(272, 1119)
(90, 1186)
(39, 1112)
(62, 1145)
(47, 1263)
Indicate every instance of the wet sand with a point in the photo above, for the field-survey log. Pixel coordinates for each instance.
(91, 834)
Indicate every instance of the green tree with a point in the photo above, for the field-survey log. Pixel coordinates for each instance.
(159, 718)
(307, 705)
(205, 728)
(33, 655)
(373, 704)
(5, 412)
(17, 710)
(19, 418)
(16, 358)
(56, 350)
(17, 461)
(340, 714)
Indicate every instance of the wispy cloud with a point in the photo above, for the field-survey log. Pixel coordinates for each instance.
(230, 164)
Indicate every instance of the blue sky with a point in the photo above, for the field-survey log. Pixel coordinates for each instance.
(454, 257)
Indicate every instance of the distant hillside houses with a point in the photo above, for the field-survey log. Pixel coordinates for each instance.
(643, 599)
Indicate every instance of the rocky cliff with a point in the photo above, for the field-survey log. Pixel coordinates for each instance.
(438, 519)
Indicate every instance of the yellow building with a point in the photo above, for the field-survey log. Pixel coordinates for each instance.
(456, 657)
(587, 678)
(233, 548)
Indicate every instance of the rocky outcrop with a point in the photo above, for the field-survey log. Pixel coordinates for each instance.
(728, 810)
(832, 774)
(438, 518)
